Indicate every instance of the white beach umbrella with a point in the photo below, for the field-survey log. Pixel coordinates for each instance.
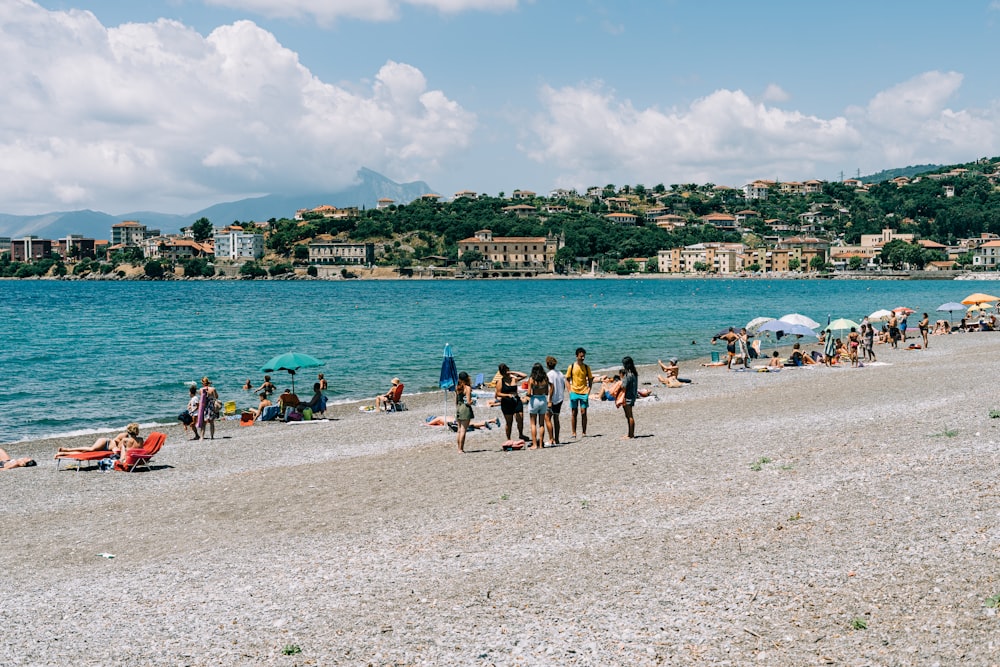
(795, 318)
(880, 315)
(753, 325)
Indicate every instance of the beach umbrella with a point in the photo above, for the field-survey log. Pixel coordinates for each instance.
(904, 310)
(979, 298)
(842, 324)
(786, 328)
(880, 315)
(951, 307)
(795, 318)
(449, 374)
(754, 325)
(291, 362)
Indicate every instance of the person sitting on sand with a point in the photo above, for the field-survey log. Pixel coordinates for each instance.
(7, 462)
(671, 369)
(384, 399)
(288, 400)
(941, 327)
(117, 445)
(315, 403)
(775, 361)
(265, 402)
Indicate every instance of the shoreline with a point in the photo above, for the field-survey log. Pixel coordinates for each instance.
(757, 517)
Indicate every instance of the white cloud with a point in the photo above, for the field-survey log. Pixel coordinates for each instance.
(147, 115)
(592, 137)
(327, 11)
(775, 93)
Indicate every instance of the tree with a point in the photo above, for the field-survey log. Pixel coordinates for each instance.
(252, 270)
(700, 266)
(470, 257)
(153, 269)
(301, 253)
(794, 264)
(855, 263)
(817, 263)
(754, 268)
(202, 229)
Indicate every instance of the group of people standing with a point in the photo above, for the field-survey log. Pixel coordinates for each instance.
(203, 408)
(546, 390)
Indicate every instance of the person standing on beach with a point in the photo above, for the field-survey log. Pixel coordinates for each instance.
(463, 408)
(868, 341)
(902, 325)
(580, 380)
(893, 325)
(208, 410)
(510, 400)
(853, 343)
(829, 348)
(539, 400)
(630, 387)
(924, 325)
(730, 337)
(558, 383)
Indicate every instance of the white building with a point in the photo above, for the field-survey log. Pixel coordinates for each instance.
(235, 244)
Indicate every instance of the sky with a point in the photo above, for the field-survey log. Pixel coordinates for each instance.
(174, 105)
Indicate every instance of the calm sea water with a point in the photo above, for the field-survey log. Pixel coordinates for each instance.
(80, 356)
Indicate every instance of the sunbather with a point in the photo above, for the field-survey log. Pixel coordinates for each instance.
(450, 422)
(116, 445)
(381, 401)
(6, 462)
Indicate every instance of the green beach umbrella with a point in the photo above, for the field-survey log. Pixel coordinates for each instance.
(291, 362)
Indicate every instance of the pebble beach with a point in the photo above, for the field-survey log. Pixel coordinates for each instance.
(815, 516)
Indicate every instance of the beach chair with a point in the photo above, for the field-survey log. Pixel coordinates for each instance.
(140, 457)
(395, 403)
(270, 413)
(83, 457)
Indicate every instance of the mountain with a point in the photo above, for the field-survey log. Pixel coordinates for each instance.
(365, 193)
(908, 172)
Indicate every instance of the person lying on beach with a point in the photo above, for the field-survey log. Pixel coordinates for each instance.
(450, 422)
(7, 462)
(116, 445)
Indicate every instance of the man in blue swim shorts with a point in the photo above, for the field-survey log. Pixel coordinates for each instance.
(580, 380)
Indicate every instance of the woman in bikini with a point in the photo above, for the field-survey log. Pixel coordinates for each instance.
(539, 400)
(853, 343)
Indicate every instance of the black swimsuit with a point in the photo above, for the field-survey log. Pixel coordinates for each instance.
(510, 405)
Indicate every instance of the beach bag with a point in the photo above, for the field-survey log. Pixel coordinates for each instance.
(185, 418)
(293, 415)
(307, 414)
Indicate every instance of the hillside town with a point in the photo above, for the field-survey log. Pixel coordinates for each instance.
(742, 240)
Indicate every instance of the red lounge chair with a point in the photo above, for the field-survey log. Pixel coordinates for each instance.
(140, 457)
(83, 457)
(394, 403)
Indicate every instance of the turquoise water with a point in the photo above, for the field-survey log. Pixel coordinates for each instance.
(80, 356)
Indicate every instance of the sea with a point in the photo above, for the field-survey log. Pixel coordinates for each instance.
(87, 356)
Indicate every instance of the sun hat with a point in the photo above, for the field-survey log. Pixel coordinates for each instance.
(673, 360)
(395, 380)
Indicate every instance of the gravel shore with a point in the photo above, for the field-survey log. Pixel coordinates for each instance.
(807, 517)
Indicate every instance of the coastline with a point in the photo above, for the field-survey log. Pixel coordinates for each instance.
(758, 516)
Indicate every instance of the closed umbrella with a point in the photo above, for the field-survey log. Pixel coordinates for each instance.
(795, 318)
(291, 362)
(449, 374)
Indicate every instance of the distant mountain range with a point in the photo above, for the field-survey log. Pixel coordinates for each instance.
(371, 187)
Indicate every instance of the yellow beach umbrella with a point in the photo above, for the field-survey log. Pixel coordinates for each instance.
(979, 298)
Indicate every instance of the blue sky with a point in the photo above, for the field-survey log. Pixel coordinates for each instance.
(176, 104)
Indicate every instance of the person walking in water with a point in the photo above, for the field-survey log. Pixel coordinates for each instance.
(580, 380)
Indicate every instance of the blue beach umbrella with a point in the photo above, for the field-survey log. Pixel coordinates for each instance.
(449, 374)
(950, 308)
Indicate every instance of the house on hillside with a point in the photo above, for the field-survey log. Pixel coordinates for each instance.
(512, 256)
(624, 219)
